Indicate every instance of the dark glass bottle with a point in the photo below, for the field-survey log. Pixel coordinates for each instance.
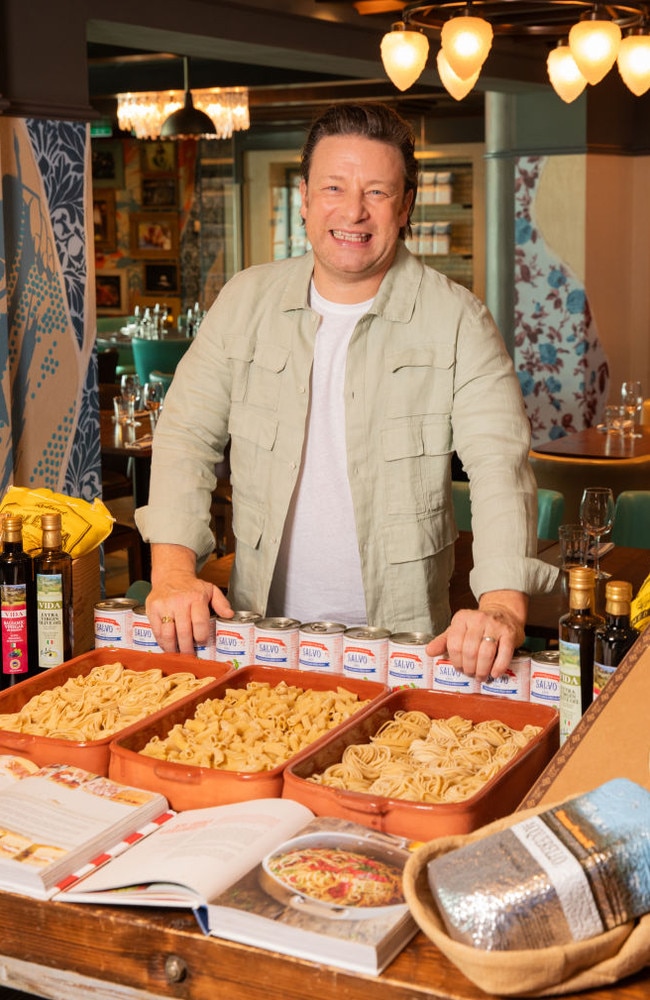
(17, 621)
(576, 640)
(616, 636)
(53, 579)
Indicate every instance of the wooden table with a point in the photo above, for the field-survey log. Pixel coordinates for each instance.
(595, 444)
(545, 609)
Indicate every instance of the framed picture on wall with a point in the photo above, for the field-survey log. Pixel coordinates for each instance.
(158, 158)
(160, 277)
(154, 234)
(111, 293)
(159, 192)
(104, 220)
(107, 163)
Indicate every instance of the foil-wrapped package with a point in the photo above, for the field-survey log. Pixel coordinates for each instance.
(563, 875)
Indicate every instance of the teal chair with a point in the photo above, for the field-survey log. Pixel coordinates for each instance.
(157, 355)
(550, 510)
(632, 519)
(164, 377)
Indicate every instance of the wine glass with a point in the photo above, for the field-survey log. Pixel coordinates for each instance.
(597, 518)
(131, 389)
(632, 400)
(152, 394)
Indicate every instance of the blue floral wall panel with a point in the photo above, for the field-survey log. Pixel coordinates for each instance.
(560, 362)
(50, 429)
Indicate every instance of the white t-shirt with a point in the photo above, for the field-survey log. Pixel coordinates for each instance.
(318, 572)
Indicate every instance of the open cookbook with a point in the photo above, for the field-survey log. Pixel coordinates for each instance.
(264, 872)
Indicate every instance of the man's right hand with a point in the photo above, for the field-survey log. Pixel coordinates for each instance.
(179, 604)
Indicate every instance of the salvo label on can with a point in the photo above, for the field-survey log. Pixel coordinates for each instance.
(235, 639)
(445, 677)
(409, 664)
(114, 623)
(365, 653)
(545, 678)
(276, 642)
(320, 647)
(514, 683)
(143, 637)
(207, 650)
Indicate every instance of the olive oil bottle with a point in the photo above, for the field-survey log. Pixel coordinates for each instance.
(53, 579)
(616, 636)
(577, 631)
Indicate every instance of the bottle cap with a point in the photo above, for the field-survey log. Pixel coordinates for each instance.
(618, 590)
(581, 577)
(13, 522)
(50, 522)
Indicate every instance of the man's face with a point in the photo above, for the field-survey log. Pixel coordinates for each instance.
(354, 206)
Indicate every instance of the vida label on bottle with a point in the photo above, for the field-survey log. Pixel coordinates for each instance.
(50, 619)
(13, 605)
(570, 688)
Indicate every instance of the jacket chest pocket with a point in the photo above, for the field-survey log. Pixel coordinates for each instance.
(257, 376)
(420, 381)
(416, 465)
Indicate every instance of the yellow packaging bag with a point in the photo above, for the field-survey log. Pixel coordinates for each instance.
(640, 606)
(84, 525)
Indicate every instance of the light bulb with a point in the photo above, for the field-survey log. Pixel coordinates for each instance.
(466, 42)
(451, 82)
(634, 63)
(566, 79)
(594, 45)
(404, 55)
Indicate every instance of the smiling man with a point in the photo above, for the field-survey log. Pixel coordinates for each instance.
(344, 380)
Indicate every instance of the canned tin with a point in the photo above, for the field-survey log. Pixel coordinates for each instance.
(409, 665)
(207, 650)
(235, 639)
(143, 637)
(445, 677)
(276, 642)
(320, 647)
(114, 623)
(365, 653)
(545, 678)
(514, 683)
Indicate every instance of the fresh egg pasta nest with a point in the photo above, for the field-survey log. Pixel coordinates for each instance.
(420, 759)
(100, 703)
(254, 728)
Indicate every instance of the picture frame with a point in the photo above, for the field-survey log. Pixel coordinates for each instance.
(111, 293)
(104, 220)
(159, 192)
(161, 277)
(158, 157)
(107, 157)
(154, 234)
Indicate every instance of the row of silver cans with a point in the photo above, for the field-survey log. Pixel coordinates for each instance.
(531, 677)
(123, 623)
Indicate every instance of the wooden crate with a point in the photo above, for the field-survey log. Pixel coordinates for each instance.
(86, 592)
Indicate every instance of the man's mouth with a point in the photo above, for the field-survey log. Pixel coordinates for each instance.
(338, 234)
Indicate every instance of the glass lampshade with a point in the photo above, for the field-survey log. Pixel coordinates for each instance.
(404, 55)
(634, 62)
(466, 42)
(594, 45)
(566, 79)
(453, 84)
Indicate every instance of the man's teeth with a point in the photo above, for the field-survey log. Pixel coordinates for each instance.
(351, 237)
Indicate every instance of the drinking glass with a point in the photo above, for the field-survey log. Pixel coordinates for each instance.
(632, 400)
(131, 389)
(597, 518)
(152, 395)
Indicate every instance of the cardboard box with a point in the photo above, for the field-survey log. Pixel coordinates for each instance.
(86, 592)
(610, 741)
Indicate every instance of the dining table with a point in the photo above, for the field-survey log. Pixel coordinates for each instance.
(595, 443)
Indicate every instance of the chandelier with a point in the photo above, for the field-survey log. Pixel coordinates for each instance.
(589, 38)
(143, 114)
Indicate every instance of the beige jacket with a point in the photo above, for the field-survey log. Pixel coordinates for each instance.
(427, 373)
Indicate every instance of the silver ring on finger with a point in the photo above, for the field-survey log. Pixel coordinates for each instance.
(489, 638)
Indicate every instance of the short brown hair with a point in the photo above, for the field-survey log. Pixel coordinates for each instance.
(372, 121)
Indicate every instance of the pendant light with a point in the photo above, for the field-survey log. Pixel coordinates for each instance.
(466, 42)
(634, 61)
(453, 84)
(566, 79)
(188, 122)
(404, 54)
(594, 42)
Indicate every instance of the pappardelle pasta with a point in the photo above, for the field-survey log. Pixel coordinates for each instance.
(420, 759)
(100, 703)
(254, 728)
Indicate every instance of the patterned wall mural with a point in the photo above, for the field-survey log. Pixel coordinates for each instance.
(560, 362)
(49, 428)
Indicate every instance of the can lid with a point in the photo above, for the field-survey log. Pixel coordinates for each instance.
(281, 624)
(117, 603)
(412, 638)
(367, 632)
(322, 628)
(243, 617)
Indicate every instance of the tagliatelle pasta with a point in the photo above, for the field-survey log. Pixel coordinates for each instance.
(420, 759)
(254, 728)
(100, 703)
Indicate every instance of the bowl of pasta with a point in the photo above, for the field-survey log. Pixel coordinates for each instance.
(336, 875)
(70, 713)
(425, 764)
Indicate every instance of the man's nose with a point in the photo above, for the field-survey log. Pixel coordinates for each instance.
(355, 206)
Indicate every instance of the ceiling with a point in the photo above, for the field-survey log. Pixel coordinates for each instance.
(295, 56)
